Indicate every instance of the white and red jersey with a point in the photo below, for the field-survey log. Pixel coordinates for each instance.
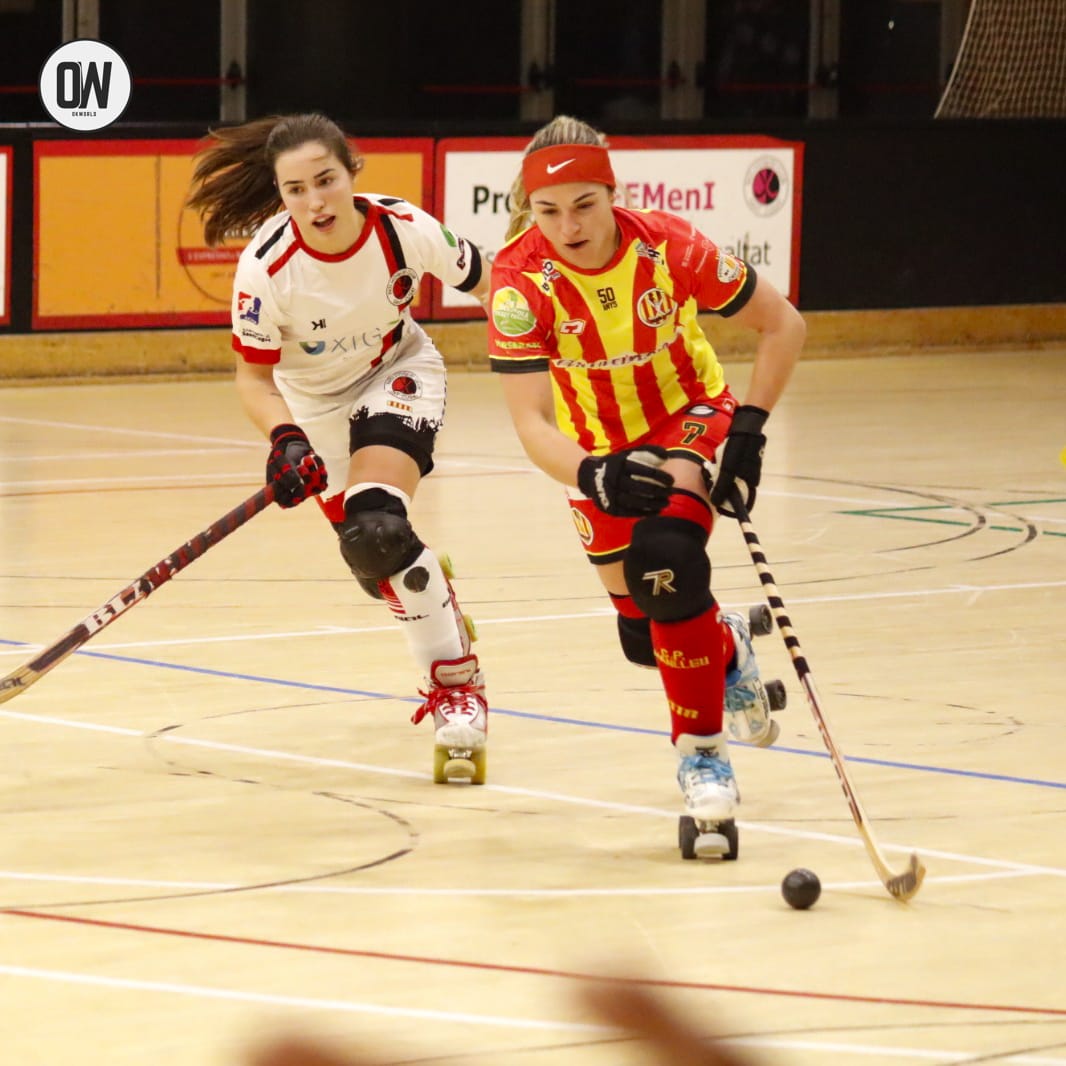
(325, 321)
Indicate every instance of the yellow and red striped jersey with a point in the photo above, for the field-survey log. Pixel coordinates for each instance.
(623, 344)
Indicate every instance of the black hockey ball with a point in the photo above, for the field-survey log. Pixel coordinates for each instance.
(801, 888)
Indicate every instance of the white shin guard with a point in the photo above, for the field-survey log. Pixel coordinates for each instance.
(422, 600)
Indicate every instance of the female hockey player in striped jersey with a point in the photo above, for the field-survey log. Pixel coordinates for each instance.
(333, 368)
(615, 391)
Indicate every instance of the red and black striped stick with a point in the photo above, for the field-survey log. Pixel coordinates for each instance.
(900, 885)
(34, 669)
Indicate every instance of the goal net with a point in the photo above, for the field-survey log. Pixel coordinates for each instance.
(1011, 62)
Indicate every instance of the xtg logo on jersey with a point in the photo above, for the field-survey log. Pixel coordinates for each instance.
(85, 85)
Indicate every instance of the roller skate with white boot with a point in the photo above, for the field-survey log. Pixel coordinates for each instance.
(456, 699)
(748, 702)
(707, 829)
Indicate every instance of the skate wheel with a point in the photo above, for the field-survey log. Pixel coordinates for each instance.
(776, 694)
(729, 831)
(445, 561)
(448, 767)
(773, 731)
(686, 836)
(760, 620)
(707, 840)
(470, 627)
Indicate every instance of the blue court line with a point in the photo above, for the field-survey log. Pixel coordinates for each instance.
(340, 690)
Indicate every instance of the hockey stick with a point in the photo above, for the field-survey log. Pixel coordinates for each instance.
(902, 885)
(34, 669)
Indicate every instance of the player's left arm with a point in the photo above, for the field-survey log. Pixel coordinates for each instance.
(483, 290)
(532, 408)
(449, 256)
(782, 331)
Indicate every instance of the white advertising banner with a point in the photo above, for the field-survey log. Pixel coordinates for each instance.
(742, 193)
(5, 234)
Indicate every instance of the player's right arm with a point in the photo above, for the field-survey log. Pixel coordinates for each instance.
(259, 395)
(628, 482)
(521, 344)
(256, 341)
(531, 405)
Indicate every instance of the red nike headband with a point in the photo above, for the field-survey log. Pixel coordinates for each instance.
(565, 163)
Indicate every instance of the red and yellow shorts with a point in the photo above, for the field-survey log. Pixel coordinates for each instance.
(694, 433)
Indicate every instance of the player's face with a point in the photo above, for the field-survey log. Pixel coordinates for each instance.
(578, 222)
(317, 190)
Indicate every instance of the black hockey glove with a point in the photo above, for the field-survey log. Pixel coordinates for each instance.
(740, 466)
(628, 483)
(293, 468)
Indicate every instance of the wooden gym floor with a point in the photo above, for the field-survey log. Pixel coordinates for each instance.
(218, 822)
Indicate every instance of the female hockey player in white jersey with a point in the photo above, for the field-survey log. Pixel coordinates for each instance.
(332, 367)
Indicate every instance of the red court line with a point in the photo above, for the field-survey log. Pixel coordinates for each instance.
(531, 971)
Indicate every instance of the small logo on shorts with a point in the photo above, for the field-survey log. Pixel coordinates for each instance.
(584, 526)
(403, 385)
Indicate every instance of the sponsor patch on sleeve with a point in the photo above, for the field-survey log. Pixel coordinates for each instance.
(729, 268)
(511, 313)
(248, 307)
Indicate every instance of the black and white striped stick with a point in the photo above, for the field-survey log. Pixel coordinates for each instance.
(34, 669)
(903, 885)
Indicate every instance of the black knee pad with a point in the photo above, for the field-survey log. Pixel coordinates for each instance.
(634, 634)
(376, 539)
(667, 570)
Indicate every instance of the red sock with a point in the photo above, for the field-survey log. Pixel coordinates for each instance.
(691, 654)
(692, 662)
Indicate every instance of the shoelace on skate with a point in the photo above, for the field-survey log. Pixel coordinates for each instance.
(447, 695)
(694, 764)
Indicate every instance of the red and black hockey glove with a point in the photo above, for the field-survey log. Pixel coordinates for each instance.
(628, 483)
(740, 466)
(293, 468)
